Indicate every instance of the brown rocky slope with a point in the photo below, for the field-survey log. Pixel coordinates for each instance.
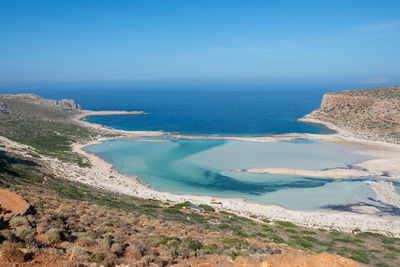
(369, 113)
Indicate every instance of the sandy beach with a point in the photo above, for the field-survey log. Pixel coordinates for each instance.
(331, 173)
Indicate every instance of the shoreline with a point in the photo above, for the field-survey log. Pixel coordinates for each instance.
(99, 176)
(104, 176)
(326, 219)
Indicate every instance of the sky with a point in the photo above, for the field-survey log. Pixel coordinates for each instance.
(200, 40)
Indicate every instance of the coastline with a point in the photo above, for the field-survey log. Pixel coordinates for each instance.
(99, 176)
(102, 175)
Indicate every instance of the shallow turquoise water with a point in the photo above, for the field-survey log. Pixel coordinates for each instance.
(206, 167)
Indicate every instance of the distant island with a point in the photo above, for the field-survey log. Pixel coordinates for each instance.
(74, 207)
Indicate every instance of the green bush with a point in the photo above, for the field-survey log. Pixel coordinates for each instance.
(77, 250)
(350, 240)
(97, 257)
(53, 236)
(361, 258)
(18, 221)
(223, 226)
(22, 232)
(286, 224)
(207, 208)
(117, 247)
(149, 206)
(277, 239)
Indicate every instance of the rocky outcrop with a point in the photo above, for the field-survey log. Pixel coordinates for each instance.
(63, 103)
(35, 99)
(12, 204)
(369, 113)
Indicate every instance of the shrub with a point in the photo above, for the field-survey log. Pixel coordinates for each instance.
(303, 243)
(308, 232)
(97, 257)
(117, 247)
(53, 251)
(149, 206)
(393, 249)
(350, 240)
(335, 233)
(11, 252)
(110, 260)
(240, 233)
(223, 226)
(277, 239)
(32, 245)
(20, 245)
(136, 250)
(207, 208)
(18, 221)
(77, 250)
(286, 224)
(189, 247)
(184, 204)
(22, 232)
(41, 228)
(8, 235)
(267, 228)
(84, 237)
(361, 258)
(53, 236)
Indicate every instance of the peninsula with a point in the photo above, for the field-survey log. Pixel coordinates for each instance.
(372, 114)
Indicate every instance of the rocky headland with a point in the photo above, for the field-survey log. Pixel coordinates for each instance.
(372, 114)
(35, 99)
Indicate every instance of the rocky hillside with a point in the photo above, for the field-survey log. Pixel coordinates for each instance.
(35, 99)
(368, 113)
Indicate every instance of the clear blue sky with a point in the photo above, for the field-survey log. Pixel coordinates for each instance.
(268, 41)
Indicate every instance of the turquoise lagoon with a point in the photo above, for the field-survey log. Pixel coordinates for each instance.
(207, 167)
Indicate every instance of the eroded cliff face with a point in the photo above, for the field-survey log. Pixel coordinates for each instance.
(369, 113)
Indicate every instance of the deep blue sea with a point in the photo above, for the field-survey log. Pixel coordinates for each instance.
(246, 111)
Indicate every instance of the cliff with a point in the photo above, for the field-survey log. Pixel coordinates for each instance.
(369, 113)
(35, 99)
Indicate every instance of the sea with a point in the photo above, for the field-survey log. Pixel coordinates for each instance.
(210, 167)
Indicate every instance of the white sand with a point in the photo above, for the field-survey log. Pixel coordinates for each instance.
(386, 192)
(102, 129)
(331, 173)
